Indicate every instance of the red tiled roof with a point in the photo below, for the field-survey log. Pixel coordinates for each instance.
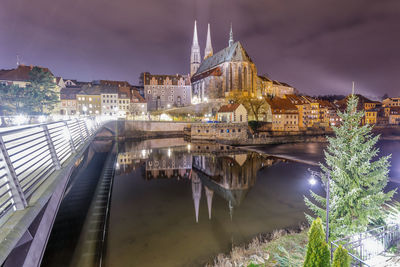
(229, 108)
(281, 105)
(21, 73)
(136, 95)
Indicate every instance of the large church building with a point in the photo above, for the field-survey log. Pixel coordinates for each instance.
(229, 70)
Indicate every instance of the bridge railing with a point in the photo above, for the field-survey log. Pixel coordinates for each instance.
(29, 155)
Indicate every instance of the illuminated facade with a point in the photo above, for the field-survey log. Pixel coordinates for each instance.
(166, 91)
(227, 71)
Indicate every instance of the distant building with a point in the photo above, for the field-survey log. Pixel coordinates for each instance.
(68, 100)
(394, 116)
(88, 101)
(391, 102)
(166, 91)
(109, 100)
(285, 116)
(124, 101)
(233, 113)
(372, 108)
(20, 76)
(138, 105)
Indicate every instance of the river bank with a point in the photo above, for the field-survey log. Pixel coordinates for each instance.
(268, 250)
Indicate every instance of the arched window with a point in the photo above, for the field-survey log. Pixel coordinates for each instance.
(227, 79)
(240, 78)
(245, 79)
(230, 77)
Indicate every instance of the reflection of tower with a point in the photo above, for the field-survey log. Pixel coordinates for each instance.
(209, 194)
(196, 192)
(230, 209)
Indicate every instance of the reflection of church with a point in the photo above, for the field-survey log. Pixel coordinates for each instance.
(168, 163)
(230, 176)
(230, 69)
(220, 169)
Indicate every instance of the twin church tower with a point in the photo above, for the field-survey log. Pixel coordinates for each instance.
(217, 75)
(195, 56)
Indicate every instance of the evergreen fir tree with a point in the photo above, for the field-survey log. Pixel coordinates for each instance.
(341, 258)
(41, 94)
(358, 177)
(317, 249)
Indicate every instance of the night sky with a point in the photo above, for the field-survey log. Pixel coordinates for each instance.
(317, 46)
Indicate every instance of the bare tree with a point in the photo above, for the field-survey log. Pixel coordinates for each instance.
(254, 106)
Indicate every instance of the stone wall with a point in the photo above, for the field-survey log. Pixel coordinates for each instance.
(218, 131)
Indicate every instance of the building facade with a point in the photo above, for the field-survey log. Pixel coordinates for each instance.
(229, 70)
(232, 113)
(88, 102)
(285, 116)
(166, 91)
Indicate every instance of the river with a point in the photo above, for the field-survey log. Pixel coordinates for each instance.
(180, 204)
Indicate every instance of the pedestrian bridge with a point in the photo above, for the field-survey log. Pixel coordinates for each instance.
(36, 163)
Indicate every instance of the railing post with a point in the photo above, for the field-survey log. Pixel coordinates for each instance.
(80, 132)
(71, 141)
(50, 144)
(86, 129)
(16, 190)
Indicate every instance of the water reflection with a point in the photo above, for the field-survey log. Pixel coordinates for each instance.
(227, 171)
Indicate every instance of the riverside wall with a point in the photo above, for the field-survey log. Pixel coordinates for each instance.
(160, 129)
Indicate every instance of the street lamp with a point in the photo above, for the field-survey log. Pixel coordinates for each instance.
(312, 182)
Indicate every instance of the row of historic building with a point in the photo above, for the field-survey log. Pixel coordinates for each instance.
(101, 97)
(296, 112)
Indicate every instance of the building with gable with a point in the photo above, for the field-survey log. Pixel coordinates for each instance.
(166, 91)
(233, 113)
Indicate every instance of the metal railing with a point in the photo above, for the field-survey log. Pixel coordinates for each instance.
(29, 155)
(363, 247)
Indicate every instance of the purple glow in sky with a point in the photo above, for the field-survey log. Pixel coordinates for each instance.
(317, 46)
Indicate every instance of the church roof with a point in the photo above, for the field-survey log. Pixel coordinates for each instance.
(235, 52)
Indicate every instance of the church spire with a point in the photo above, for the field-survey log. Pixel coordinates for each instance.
(231, 37)
(195, 52)
(208, 52)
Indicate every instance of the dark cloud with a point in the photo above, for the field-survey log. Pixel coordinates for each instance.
(317, 46)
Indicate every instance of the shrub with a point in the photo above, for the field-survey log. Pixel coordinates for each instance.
(341, 258)
(317, 249)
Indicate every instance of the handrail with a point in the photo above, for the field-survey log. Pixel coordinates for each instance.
(383, 237)
(29, 155)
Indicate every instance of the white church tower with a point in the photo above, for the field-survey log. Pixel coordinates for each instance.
(208, 52)
(195, 57)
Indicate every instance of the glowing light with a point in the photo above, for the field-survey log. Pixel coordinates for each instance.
(84, 108)
(205, 99)
(188, 147)
(168, 106)
(20, 119)
(42, 119)
(165, 117)
(312, 180)
(169, 152)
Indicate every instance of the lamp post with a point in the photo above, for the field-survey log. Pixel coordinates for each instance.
(312, 182)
